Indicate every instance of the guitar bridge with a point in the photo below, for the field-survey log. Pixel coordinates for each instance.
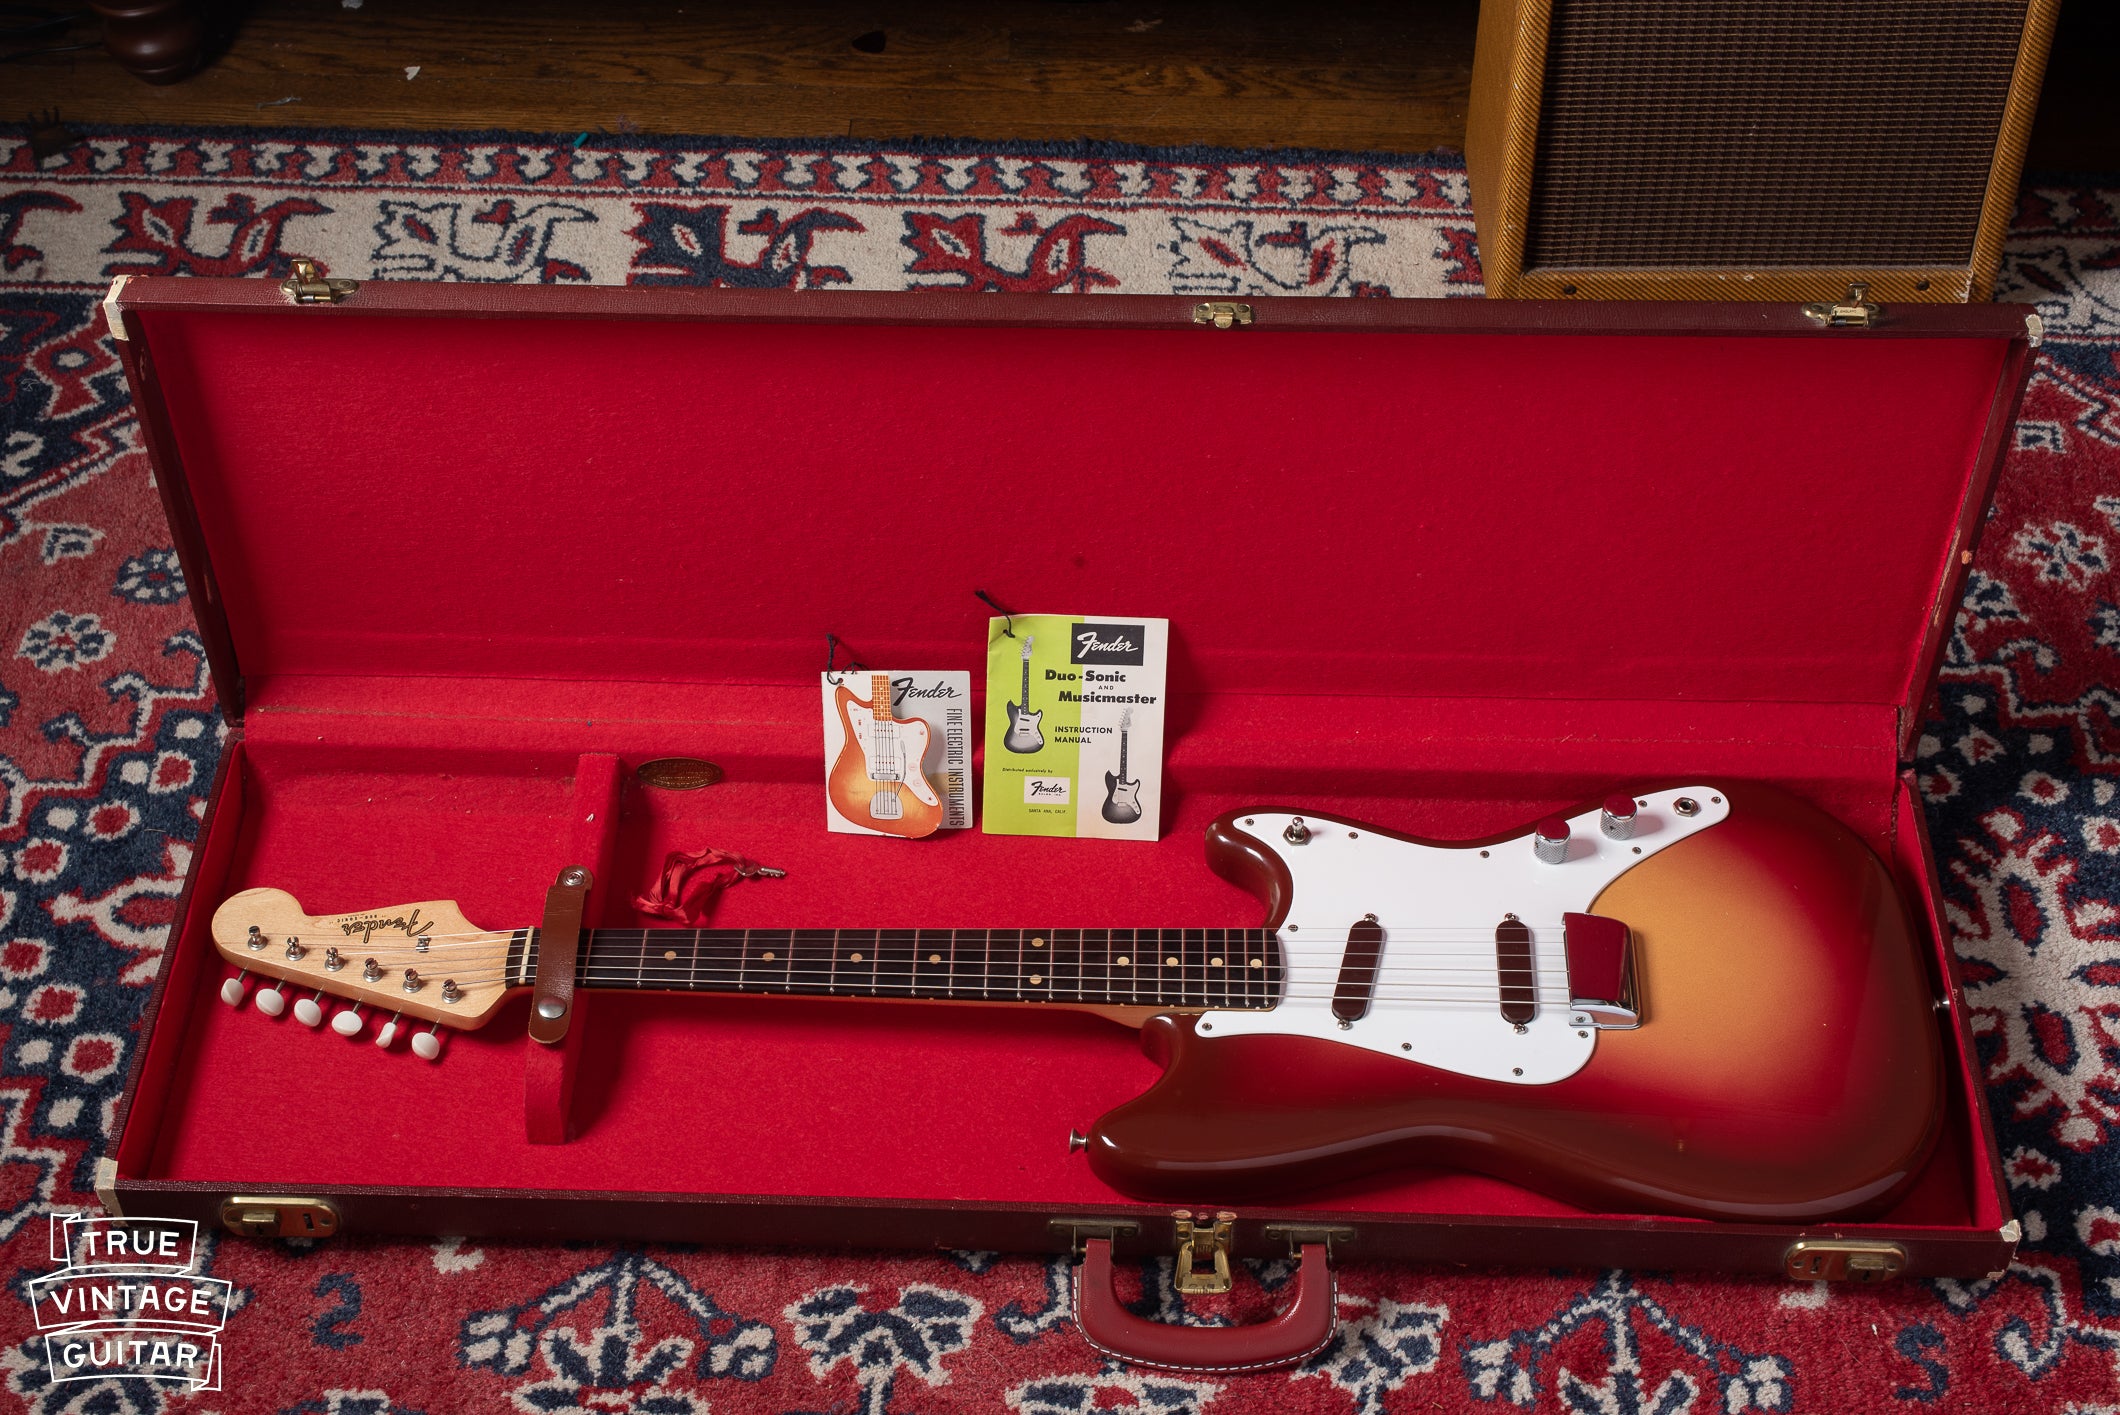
(1601, 988)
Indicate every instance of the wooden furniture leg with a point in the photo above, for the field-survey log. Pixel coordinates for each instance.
(160, 41)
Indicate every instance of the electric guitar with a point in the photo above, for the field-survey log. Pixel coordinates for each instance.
(1704, 1001)
(1122, 795)
(1023, 735)
(877, 781)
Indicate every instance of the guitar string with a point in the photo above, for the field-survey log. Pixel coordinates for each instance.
(1467, 933)
(1429, 958)
(1025, 963)
(1546, 990)
(1475, 1004)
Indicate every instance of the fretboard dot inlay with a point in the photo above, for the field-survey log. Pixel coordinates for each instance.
(1170, 962)
(934, 958)
(1258, 963)
(769, 958)
(855, 956)
(1037, 943)
(1126, 963)
(1036, 979)
(669, 955)
(1214, 962)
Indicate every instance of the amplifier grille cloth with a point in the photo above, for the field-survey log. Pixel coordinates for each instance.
(1768, 132)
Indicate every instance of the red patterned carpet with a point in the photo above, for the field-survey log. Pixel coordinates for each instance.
(108, 736)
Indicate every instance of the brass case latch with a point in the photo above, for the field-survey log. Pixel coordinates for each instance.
(279, 1216)
(1222, 314)
(1843, 1260)
(1203, 1251)
(308, 286)
(1853, 312)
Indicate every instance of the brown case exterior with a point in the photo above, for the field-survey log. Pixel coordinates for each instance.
(1134, 1228)
(1502, 162)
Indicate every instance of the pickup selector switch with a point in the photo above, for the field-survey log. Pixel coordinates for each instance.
(1617, 819)
(1549, 840)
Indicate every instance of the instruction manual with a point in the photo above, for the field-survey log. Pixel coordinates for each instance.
(1074, 725)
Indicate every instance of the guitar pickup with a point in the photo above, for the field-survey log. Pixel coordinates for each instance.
(1601, 990)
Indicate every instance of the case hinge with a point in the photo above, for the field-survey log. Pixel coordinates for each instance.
(1222, 314)
(279, 1216)
(1203, 1251)
(1295, 1235)
(309, 286)
(1843, 1260)
(1078, 1231)
(1853, 312)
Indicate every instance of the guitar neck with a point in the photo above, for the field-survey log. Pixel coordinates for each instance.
(1161, 968)
(1122, 754)
(1026, 704)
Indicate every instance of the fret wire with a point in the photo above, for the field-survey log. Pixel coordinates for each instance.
(1214, 942)
(1067, 958)
(1192, 954)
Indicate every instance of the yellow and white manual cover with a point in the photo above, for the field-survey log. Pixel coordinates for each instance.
(897, 752)
(1074, 725)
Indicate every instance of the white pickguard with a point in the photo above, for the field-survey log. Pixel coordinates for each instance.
(1437, 998)
(895, 754)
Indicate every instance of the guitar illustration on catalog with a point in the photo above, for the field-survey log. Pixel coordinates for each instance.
(1122, 794)
(877, 781)
(1024, 736)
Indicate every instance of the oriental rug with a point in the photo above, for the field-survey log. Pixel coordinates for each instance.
(109, 734)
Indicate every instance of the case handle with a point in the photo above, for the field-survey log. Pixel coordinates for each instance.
(1297, 1334)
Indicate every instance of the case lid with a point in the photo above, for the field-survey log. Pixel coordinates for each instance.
(1434, 498)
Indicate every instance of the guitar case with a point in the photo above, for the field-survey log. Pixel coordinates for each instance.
(465, 557)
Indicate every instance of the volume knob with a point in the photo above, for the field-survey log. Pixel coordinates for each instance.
(1617, 819)
(1549, 840)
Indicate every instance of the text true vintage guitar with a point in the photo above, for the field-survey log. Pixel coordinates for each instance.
(1700, 1001)
(1023, 736)
(1122, 794)
(877, 781)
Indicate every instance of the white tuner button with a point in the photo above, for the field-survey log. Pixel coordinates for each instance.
(387, 1033)
(426, 1045)
(348, 1023)
(232, 990)
(270, 1000)
(307, 1012)
(1617, 819)
(1549, 840)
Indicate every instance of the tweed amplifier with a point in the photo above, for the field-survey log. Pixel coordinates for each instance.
(1750, 149)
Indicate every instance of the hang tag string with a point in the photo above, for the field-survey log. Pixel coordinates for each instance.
(831, 658)
(693, 879)
(995, 605)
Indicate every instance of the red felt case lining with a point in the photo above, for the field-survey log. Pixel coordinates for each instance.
(1440, 583)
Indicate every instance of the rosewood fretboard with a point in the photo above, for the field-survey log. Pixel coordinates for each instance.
(1162, 968)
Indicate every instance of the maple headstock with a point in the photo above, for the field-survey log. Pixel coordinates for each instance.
(424, 961)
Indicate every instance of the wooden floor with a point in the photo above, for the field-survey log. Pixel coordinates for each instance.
(1377, 74)
(1388, 75)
